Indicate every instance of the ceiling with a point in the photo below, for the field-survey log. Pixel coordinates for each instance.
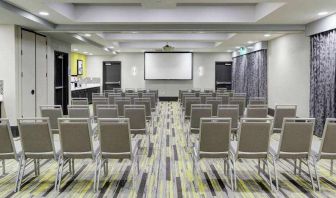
(142, 25)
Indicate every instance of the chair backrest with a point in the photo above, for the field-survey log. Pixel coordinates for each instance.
(257, 100)
(215, 136)
(186, 94)
(215, 101)
(98, 95)
(107, 92)
(152, 98)
(328, 146)
(121, 102)
(254, 137)
(112, 96)
(241, 101)
(156, 94)
(181, 92)
(224, 96)
(7, 146)
(76, 137)
(107, 111)
(203, 96)
(296, 137)
(239, 95)
(79, 111)
(115, 137)
(53, 112)
(199, 111)
(117, 90)
(137, 117)
(146, 102)
(98, 101)
(129, 90)
(281, 112)
(229, 111)
(79, 101)
(132, 95)
(208, 91)
(257, 111)
(36, 138)
(221, 90)
(190, 101)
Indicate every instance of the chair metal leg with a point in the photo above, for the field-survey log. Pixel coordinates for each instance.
(73, 166)
(35, 167)
(234, 174)
(295, 165)
(57, 172)
(269, 172)
(231, 174)
(21, 174)
(275, 174)
(3, 167)
(60, 174)
(259, 166)
(316, 174)
(300, 167)
(98, 173)
(105, 164)
(331, 167)
(311, 175)
(18, 174)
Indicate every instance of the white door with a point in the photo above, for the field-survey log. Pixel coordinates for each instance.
(41, 73)
(28, 101)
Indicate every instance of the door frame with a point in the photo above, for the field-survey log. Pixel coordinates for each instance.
(103, 77)
(223, 62)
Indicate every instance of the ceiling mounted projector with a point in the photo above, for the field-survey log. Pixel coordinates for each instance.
(167, 47)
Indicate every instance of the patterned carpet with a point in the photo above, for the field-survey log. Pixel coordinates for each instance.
(165, 171)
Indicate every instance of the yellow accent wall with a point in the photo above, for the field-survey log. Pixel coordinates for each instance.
(74, 58)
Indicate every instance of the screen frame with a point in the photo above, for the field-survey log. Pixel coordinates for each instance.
(173, 52)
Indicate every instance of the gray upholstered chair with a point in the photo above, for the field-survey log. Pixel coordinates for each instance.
(253, 141)
(112, 96)
(214, 101)
(281, 112)
(214, 141)
(76, 141)
(256, 111)
(239, 95)
(115, 141)
(147, 103)
(132, 95)
(53, 112)
(224, 96)
(153, 100)
(107, 92)
(117, 90)
(98, 95)
(188, 102)
(295, 143)
(98, 101)
(203, 97)
(230, 111)
(184, 95)
(7, 145)
(181, 92)
(37, 143)
(79, 111)
(107, 111)
(121, 101)
(208, 90)
(198, 111)
(324, 148)
(79, 101)
(241, 101)
(257, 101)
(129, 90)
(221, 90)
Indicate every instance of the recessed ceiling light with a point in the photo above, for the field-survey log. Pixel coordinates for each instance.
(250, 42)
(114, 52)
(267, 35)
(106, 49)
(323, 13)
(238, 47)
(75, 50)
(90, 54)
(134, 32)
(87, 35)
(229, 51)
(111, 47)
(43, 13)
(201, 32)
(85, 52)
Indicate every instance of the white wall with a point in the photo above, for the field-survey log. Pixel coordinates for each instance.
(289, 72)
(165, 87)
(9, 71)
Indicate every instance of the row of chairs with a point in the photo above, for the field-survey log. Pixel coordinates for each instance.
(254, 142)
(76, 141)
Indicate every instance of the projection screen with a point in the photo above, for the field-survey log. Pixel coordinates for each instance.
(168, 66)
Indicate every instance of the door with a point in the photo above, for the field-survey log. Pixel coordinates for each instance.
(223, 75)
(111, 75)
(28, 102)
(61, 80)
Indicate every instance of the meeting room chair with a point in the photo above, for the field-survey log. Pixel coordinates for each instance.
(257, 101)
(132, 95)
(79, 111)
(188, 102)
(115, 141)
(37, 143)
(152, 97)
(129, 90)
(214, 142)
(79, 101)
(214, 101)
(98, 101)
(117, 90)
(197, 91)
(253, 142)
(76, 142)
(239, 95)
(281, 112)
(98, 95)
(256, 111)
(241, 101)
(7, 145)
(120, 102)
(107, 111)
(112, 96)
(221, 90)
(156, 94)
(107, 92)
(230, 111)
(197, 112)
(324, 148)
(147, 103)
(208, 91)
(181, 92)
(205, 95)
(53, 112)
(224, 96)
(295, 143)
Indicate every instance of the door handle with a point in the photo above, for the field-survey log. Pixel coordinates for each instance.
(32, 92)
(113, 83)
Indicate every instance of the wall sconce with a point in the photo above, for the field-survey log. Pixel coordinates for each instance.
(200, 71)
(134, 71)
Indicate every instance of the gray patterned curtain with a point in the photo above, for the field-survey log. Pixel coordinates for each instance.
(249, 74)
(322, 78)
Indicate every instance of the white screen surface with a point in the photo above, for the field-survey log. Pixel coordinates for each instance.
(174, 66)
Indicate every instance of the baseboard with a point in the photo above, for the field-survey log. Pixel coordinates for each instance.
(168, 98)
